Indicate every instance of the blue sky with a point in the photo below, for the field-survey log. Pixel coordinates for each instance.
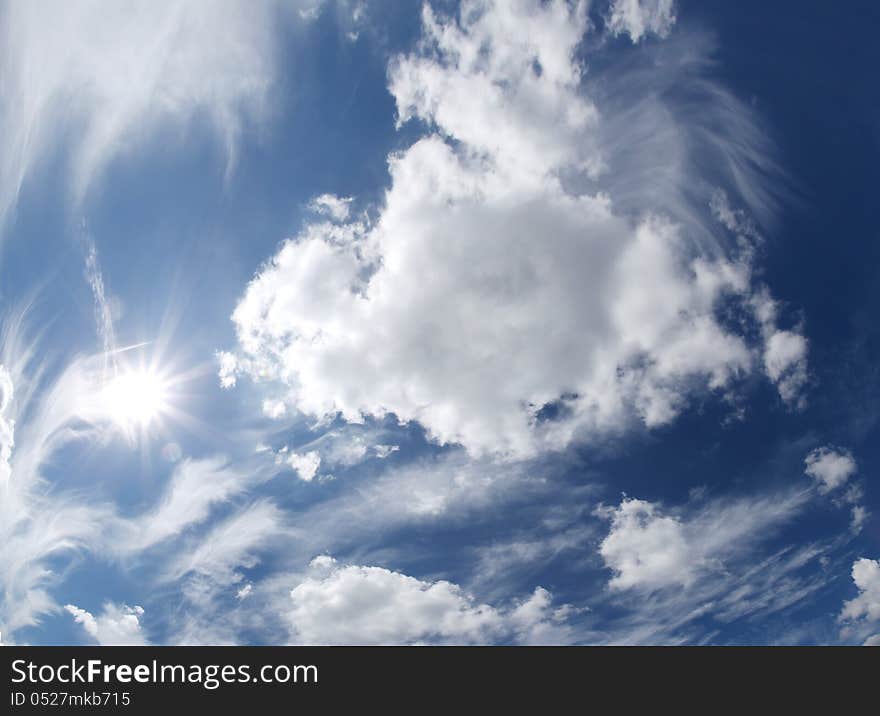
(378, 322)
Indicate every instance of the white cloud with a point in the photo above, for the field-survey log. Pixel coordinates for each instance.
(274, 408)
(646, 548)
(866, 606)
(117, 625)
(341, 447)
(536, 621)
(335, 207)
(230, 545)
(38, 524)
(638, 18)
(193, 490)
(860, 515)
(344, 449)
(209, 572)
(679, 571)
(785, 360)
(103, 312)
(102, 80)
(830, 467)
(383, 451)
(227, 369)
(490, 293)
(305, 465)
(7, 426)
(872, 640)
(649, 548)
(336, 604)
(43, 526)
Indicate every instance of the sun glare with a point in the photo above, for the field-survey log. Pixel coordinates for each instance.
(136, 398)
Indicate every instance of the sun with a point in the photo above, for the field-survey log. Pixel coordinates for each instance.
(136, 398)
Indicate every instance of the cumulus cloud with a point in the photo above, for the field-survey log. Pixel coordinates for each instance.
(866, 606)
(646, 548)
(830, 467)
(638, 18)
(227, 369)
(305, 465)
(785, 361)
(116, 625)
(650, 548)
(102, 80)
(785, 351)
(676, 572)
(492, 300)
(349, 604)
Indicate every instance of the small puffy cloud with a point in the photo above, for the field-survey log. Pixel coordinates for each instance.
(638, 18)
(866, 606)
(116, 625)
(244, 592)
(649, 548)
(785, 351)
(383, 451)
(536, 621)
(227, 369)
(860, 515)
(830, 467)
(785, 361)
(646, 548)
(323, 562)
(305, 465)
(348, 604)
(677, 569)
(872, 640)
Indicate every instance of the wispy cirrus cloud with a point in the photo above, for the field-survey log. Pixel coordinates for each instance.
(97, 82)
(680, 575)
